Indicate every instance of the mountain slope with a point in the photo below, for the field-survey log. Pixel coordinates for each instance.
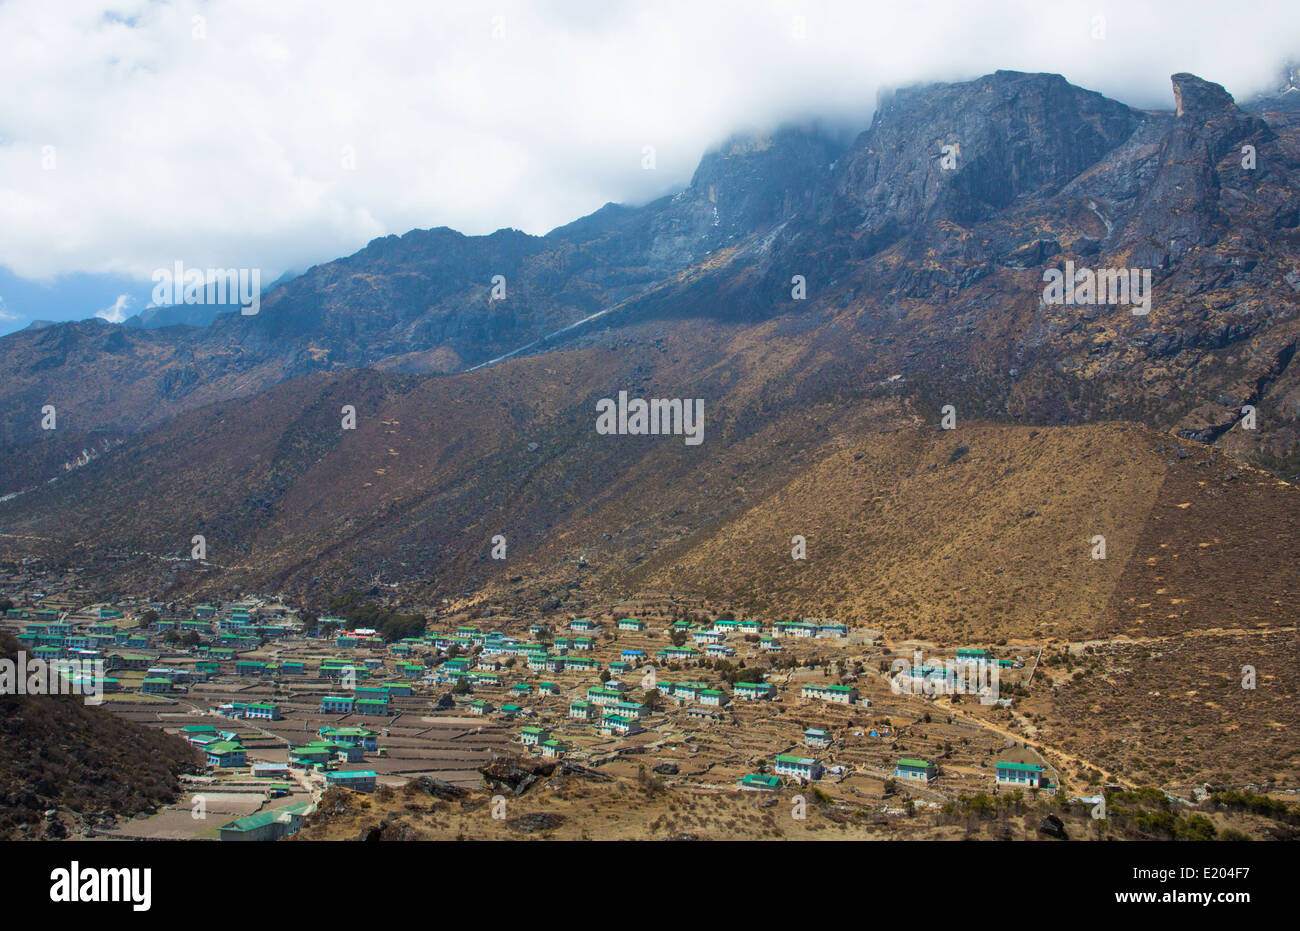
(419, 302)
(83, 762)
(984, 531)
(934, 267)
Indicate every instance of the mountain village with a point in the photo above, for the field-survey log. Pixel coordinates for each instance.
(662, 683)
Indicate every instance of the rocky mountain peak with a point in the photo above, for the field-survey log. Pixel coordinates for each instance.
(1198, 97)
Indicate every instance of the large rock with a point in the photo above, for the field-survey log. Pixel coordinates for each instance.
(1052, 826)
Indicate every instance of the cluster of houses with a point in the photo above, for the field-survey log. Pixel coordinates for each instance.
(115, 638)
(467, 660)
(803, 768)
(221, 748)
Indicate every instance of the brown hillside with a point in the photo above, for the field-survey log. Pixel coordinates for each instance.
(89, 765)
(978, 532)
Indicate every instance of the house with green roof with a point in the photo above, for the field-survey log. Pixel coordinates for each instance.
(837, 694)
(687, 691)
(713, 698)
(373, 707)
(796, 767)
(918, 770)
(629, 709)
(613, 725)
(225, 753)
(350, 737)
(337, 704)
(194, 730)
(1008, 773)
(816, 738)
(267, 825)
(599, 695)
(532, 736)
(794, 629)
(759, 783)
(313, 754)
(553, 749)
(265, 711)
(678, 655)
(361, 780)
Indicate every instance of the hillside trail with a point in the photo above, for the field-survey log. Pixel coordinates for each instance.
(1045, 749)
(1052, 751)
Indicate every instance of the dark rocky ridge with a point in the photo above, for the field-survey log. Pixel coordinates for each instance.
(933, 272)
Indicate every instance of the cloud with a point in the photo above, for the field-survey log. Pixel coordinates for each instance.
(5, 315)
(116, 313)
(239, 133)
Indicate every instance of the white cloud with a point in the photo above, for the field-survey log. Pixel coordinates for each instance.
(229, 150)
(116, 313)
(5, 315)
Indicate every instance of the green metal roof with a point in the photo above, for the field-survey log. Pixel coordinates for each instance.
(1023, 767)
(263, 818)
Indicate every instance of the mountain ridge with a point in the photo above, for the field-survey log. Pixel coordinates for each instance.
(924, 292)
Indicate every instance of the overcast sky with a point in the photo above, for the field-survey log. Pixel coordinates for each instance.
(136, 134)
